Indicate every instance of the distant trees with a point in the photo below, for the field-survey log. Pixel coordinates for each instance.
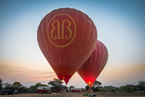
(87, 87)
(96, 86)
(108, 89)
(56, 84)
(33, 89)
(141, 86)
(17, 85)
(97, 83)
(71, 87)
(142, 83)
(127, 88)
(133, 88)
(7, 85)
(1, 84)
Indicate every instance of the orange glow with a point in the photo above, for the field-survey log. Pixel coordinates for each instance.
(63, 77)
(90, 83)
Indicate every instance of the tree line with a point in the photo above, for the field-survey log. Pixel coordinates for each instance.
(56, 84)
(126, 88)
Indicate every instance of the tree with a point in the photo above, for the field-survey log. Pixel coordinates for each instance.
(23, 89)
(123, 88)
(96, 86)
(97, 83)
(52, 84)
(37, 85)
(129, 88)
(56, 83)
(71, 87)
(7, 85)
(32, 88)
(17, 85)
(141, 86)
(87, 87)
(1, 84)
(142, 83)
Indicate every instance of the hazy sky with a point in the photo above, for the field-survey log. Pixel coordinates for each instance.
(120, 25)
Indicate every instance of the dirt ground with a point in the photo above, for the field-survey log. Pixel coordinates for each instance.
(72, 95)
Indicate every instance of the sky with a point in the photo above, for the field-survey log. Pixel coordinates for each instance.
(120, 26)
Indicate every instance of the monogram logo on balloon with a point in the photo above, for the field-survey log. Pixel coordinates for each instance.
(61, 30)
(103, 60)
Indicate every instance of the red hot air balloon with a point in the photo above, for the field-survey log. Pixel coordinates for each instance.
(91, 69)
(66, 37)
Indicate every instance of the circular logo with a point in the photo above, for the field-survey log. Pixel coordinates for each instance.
(61, 30)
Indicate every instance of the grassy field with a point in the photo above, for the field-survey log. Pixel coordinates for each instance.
(99, 94)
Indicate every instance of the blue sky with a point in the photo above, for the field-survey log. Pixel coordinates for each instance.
(120, 25)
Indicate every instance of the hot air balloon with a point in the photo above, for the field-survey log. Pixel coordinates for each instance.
(91, 69)
(66, 37)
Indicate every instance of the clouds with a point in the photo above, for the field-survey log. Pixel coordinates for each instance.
(122, 74)
(10, 73)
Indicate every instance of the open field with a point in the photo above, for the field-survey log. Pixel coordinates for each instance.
(99, 94)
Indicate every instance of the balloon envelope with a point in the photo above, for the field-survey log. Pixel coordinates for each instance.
(66, 37)
(91, 69)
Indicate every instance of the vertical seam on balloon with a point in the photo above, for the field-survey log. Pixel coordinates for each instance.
(76, 54)
(107, 57)
(94, 41)
(61, 48)
(41, 41)
(91, 32)
(82, 31)
(70, 13)
(104, 54)
(56, 48)
(98, 57)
